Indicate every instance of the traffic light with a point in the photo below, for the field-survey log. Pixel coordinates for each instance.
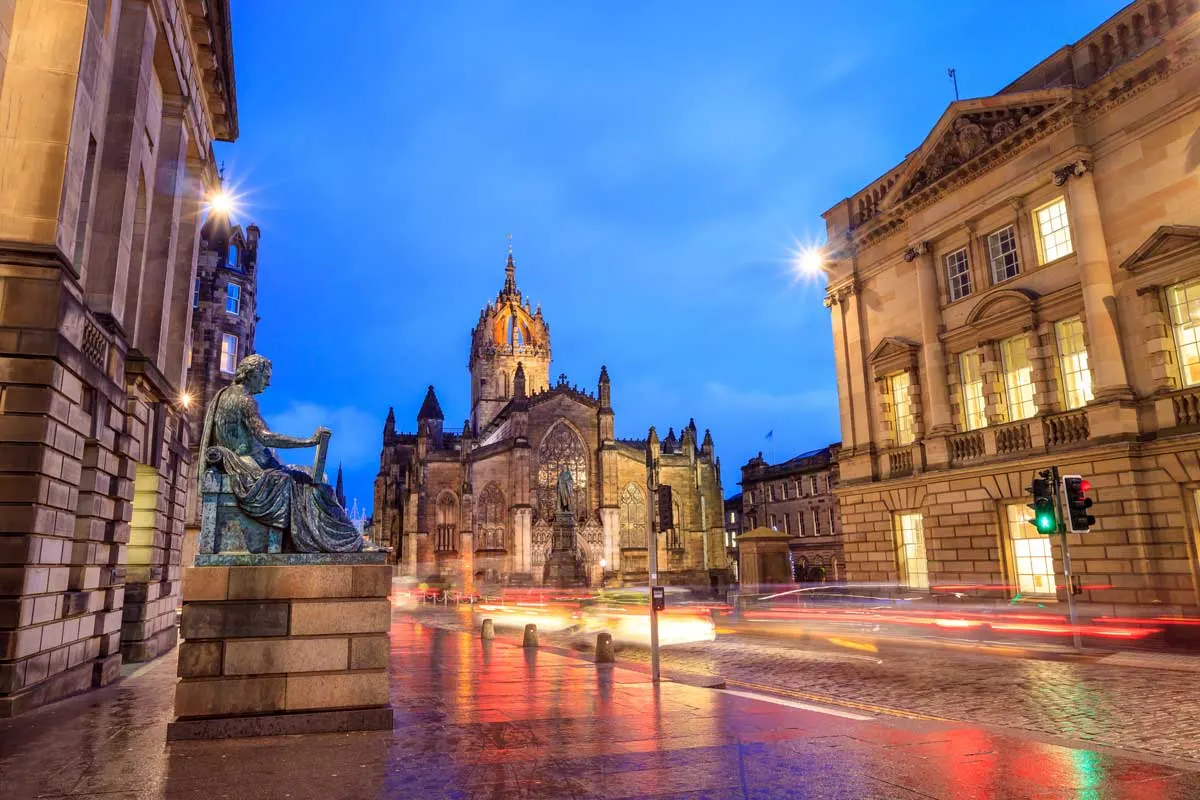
(1075, 489)
(666, 509)
(1043, 506)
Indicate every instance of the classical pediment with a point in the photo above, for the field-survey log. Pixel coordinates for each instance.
(1167, 244)
(893, 354)
(1002, 305)
(975, 132)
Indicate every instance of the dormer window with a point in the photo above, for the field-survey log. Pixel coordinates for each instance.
(235, 256)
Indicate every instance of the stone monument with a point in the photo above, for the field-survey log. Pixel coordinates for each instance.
(286, 612)
(564, 566)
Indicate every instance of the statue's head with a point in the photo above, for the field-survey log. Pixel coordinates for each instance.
(253, 372)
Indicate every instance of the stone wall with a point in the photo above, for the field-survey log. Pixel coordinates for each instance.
(106, 178)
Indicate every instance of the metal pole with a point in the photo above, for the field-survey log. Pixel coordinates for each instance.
(1066, 551)
(652, 553)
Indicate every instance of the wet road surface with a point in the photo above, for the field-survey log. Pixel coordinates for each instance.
(491, 720)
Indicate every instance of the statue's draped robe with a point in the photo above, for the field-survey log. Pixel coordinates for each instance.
(274, 494)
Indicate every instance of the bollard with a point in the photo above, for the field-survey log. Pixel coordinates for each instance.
(604, 649)
(530, 636)
(487, 630)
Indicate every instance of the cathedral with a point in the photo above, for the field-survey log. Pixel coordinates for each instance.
(477, 507)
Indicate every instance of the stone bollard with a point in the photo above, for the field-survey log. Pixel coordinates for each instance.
(530, 636)
(487, 630)
(604, 649)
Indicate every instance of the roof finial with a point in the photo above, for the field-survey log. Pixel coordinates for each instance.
(510, 271)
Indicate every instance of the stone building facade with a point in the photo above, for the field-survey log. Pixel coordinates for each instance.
(224, 317)
(796, 498)
(478, 506)
(107, 114)
(1023, 290)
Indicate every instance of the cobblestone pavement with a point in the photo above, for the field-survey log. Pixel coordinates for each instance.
(1149, 710)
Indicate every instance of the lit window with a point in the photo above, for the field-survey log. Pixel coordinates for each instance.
(196, 294)
(189, 363)
(1054, 231)
(233, 298)
(974, 405)
(1002, 253)
(1033, 563)
(901, 412)
(1018, 378)
(1073, 356)
(1184, 300)
(910, 545)
(958, 274)
(229, 353)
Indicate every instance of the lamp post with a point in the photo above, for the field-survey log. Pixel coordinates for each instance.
(652, 568)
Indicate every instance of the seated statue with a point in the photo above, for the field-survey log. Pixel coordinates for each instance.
(238, 459)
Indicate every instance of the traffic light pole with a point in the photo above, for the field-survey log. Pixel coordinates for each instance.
(652, 553)
(1066, 551)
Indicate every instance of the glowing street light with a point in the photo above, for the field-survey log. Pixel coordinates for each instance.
(220, 202)
(811, 261)
(185, 400)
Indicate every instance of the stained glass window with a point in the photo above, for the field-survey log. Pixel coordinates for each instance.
(561, 448)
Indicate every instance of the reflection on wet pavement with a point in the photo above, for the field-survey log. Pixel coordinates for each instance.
(490, 720)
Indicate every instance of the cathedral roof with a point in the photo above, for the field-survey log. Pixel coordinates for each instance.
(430, 409)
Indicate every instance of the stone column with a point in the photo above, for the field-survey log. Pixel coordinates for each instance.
(860, 399)
(936, 394)
(610, 519)
(1043, 351)
(842, 366)
(1106, 358)
(1158, 343)
(523, 536)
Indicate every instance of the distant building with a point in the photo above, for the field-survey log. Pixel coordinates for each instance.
(796, 498)
(733, 525)
(478, 505)
(224, 318)
(1023, 291)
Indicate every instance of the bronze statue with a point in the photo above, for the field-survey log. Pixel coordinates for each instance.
(237, 442)
(566, 491)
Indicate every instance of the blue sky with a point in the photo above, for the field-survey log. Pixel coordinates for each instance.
(655, 162)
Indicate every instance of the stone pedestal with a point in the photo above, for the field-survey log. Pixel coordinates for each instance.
(277, 647)
(564, 569)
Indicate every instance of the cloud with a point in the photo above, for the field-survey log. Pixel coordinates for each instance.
(751, 400)
(356, 434)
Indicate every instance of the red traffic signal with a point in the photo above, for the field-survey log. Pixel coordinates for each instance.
(1079, 517)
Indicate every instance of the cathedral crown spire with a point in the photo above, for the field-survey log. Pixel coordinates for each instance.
(510, 272)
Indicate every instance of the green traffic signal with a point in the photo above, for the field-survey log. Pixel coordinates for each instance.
(1044, 518)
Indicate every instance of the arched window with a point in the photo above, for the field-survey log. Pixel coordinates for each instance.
(489, 520)
(561, 448)
(633, 517)
(446, 533)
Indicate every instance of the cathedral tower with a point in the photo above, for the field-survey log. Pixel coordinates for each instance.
(509, 334)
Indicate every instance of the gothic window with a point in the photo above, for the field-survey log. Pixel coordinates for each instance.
(562, 448)
(447, 523)
(675, 533)
(633, 517)
(490, 518)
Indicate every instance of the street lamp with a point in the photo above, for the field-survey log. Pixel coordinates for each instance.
(810, 262)
(220, 202)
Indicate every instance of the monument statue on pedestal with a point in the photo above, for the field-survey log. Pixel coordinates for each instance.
(564, 568)
(253, 502)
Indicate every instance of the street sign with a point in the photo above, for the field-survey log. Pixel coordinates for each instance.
(658, 596)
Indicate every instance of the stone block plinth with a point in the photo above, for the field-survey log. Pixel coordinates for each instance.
(283, 648)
